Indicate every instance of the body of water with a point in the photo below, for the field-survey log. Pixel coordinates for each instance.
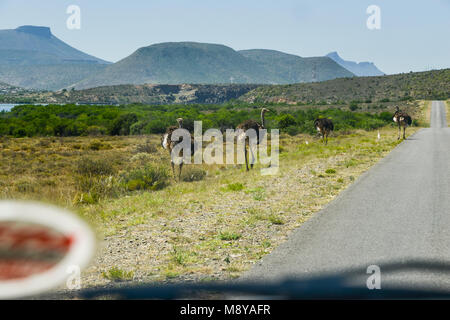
(6, 106)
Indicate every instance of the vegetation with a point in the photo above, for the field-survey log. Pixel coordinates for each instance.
(357, 91)
(128, 94)
(190, 62)
(73, 120)
(433, 85)
(116, 274)
(213, 226)
(448, 111)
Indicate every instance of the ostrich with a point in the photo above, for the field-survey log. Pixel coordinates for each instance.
(324, 126)
(247, 125)
(403, 120)
(168, 144)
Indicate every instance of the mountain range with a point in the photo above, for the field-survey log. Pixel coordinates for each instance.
(361, 69)
(204, 63)
(32, 57)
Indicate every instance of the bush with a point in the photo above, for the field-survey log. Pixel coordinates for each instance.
(141, 158)
(353, 106)
(137, 128)
(275, 219)
(234, 187)
(85, 198)
(146, 148)
(155, 127)
(90, 167)
(134, 185)
(19, 133)
(25, 186)
(286, 120)
(116, 274)
(229, 236)
(292, 130)
(99, 145)
(95, 131)
(121, 126)
(193, 174)
(147, 178)
(93, 188)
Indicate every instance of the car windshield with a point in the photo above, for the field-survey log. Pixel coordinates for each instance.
(224, 150)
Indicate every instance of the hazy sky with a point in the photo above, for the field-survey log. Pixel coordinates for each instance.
(414, 34)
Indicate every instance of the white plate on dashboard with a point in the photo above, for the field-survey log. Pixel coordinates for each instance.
(40, 247)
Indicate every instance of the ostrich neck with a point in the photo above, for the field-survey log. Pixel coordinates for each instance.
(263, 119)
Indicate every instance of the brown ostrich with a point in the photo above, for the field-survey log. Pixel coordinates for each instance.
(324, 126)
(168, 144)
(403, 120)
(247, 125)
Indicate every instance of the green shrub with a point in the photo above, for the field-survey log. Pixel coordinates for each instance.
(156, 126)
(85, 198)
(193, 174)
(134, 185)
(116, 274)
(146, 178)
(141, 158)
(121, 126)
(99, 145)
(95, 131)
(229, 236)
(91, 167)
(353, 106)
(146, 148)
(285, 120)
(138, 127)
(99, 187)
(234, 187)
(292, 130)
(25, 186)
(276, 220)
(19, 133)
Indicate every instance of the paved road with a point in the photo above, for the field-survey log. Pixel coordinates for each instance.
(397, 211)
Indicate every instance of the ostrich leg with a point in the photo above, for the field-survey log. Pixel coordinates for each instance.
(253, 156)
(245, 154)
(179, 173)
(173, 168)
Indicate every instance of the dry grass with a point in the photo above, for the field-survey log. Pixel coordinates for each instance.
(448, 111)
(213, 227)
(424, 112)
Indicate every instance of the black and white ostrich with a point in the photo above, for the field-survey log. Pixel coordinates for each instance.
(168, 144)
(403, 120)
(324, 126)
(247, 125)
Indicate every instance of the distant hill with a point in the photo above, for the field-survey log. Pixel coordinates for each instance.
(415, 85)
(9, 89)
(146, 94)
(202, 63)
(32, 57)
(361, 69)
(290, 68)
(375, 90)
